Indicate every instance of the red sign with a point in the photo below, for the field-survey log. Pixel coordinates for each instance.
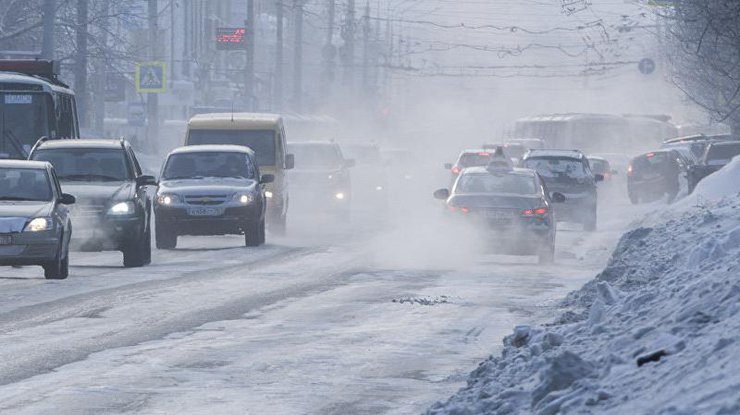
(230, 38)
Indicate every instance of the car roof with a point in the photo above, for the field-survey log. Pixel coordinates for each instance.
(213, 148)
(484, 170)
(82, 143)
(724, 144)
(599, 158)
(313, 143)
(699, 137)
(24, 164)
(235, 121)
(477, 150)
(574, 154)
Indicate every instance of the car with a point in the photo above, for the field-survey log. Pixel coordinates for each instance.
(600, 165)
(716, 156)
(265, 135)
(470, 158)
(369, 177)
(35, 224)
(654, 174)
(321, 178)
(694, 146)
(512, 204)
(113, 210)
(211, 190)
(569, 173)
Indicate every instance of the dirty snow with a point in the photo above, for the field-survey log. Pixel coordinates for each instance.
(657, 332)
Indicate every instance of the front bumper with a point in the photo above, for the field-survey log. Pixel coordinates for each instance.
(231, 221)
(30, 248)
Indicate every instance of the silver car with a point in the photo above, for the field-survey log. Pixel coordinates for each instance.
(35, 226)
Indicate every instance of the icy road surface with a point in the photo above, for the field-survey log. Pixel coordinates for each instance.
(331, 323)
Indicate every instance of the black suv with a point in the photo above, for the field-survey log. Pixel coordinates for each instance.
(652, 175)
(716, 156)
(321, 178)
(569, 173)
(113, 210)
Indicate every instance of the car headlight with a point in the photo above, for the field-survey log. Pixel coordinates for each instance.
(167, 199)
(379, 188)
(244, 198)
(268, 194)
(340, 196)
(38, 225)
(122, 208)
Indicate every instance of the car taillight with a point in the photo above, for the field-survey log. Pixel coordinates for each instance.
(454, 209)
(456, 170)
(535, 212)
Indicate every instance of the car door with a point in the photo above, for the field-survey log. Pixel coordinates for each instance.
(142, 196)
(61, 213)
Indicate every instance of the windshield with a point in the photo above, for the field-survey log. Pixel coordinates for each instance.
(557, 167)
(722, 154)
(262, 142)
(208, 164)
(24, 185)
(24, 118)
(496, 183)
(474, 159)
(87, 164)
(313, 156)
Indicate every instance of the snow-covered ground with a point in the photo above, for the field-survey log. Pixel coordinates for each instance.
(330, 320)
(657, 331)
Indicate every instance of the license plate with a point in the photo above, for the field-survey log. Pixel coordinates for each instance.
(498, 215)
(205, 212)
(6, 240)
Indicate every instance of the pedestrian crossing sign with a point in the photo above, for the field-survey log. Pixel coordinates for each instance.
(151, 77)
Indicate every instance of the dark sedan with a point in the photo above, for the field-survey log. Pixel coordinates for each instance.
(716, 156)
(511, 204)
(35, 227)
(211, 190)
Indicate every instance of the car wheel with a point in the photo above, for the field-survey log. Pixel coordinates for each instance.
(138, 253)
(546, 254)
(165, 238)
(253, 233)
(262, 232)
(59, 268)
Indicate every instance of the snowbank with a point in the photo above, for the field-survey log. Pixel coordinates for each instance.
(657, 332)
(717, 186)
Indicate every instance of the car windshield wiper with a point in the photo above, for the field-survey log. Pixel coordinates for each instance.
(90, 177)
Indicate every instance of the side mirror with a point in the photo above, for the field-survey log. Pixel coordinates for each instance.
(448, 166)
(146, 180)
(442, 194)
(349, 163)
(557, 197)
(289, 162)
(67, 199)
(267, 178)
(599, 177)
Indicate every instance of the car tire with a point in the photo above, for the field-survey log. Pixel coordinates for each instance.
(165, 238)
(279, 225)
(136, 253)
(546, 254)
(59, 268)
(254, 233)
(589, 224)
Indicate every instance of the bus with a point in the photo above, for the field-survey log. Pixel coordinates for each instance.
(598, 132)
(34, 103)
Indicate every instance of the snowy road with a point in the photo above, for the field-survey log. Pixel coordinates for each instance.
(328, 323)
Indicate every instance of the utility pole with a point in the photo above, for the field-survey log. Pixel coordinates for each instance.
(49, 16)
(101, 71)
(186, 38)
(279, 41)
(81, 62)
(298, 56)
(249, 84)
(366, 49)
(348, 52)
(329, 52)
(152, 98)
(173, 74)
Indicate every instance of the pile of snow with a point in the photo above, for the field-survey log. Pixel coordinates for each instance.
(657, 332)
(721, 184)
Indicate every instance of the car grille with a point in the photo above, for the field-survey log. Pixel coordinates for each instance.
(206, 200)
(88, 210)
